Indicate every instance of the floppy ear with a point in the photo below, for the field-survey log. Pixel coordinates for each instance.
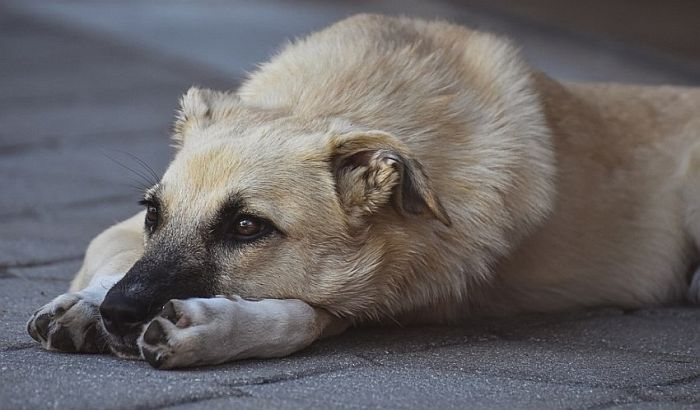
(199, 107)
(373, 169)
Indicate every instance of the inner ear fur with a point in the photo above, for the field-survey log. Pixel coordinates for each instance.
(199, 107)
(373, 169)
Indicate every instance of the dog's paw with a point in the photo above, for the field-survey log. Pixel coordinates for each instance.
(69, 323)
(185, 332)
(209, 331)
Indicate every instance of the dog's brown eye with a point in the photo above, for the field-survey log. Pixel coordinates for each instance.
(151, 216)
(248, 227)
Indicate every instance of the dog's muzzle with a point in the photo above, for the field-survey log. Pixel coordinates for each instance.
(142, 292)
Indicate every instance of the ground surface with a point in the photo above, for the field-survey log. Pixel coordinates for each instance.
(83, 87)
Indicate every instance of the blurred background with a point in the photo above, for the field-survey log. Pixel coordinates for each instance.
(88, 88)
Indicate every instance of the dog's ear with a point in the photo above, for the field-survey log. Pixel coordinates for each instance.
(199, 107)
(373, 169)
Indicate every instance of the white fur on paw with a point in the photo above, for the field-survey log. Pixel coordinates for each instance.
(69, 323)
(184, 331)
(205, 331)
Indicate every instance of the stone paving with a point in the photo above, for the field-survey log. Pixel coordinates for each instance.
(83, 99)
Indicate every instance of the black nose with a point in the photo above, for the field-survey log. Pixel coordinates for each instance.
(122, 315)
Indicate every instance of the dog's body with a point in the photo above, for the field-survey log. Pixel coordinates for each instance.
(392, 170)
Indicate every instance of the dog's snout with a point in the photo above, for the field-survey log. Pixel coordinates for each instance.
(121, 314)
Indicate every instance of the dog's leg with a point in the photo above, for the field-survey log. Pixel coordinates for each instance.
(217, 330)
(690, 183)
(71, 322)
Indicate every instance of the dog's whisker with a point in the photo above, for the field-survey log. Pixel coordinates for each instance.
(144, 177)
(153, 174)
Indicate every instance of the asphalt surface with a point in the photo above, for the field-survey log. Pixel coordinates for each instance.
(87, 92)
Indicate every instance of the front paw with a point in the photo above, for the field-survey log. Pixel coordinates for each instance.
(170, 339)
(188, 333)
(69, 323)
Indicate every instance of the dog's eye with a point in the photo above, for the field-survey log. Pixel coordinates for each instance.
(151, 216)
(247, 227)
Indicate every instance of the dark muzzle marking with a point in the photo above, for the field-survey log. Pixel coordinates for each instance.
(149, 284)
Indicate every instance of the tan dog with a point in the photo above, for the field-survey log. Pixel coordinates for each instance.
(391, 170)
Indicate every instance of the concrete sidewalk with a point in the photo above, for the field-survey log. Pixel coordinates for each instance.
(85, 87)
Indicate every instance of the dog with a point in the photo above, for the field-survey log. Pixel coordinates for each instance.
(391, 170)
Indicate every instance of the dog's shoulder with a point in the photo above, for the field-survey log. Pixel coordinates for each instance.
(367, 62)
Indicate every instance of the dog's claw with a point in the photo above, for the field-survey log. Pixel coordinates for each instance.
(41, 325)
(169, 312)
(32, 331)
(153, 358)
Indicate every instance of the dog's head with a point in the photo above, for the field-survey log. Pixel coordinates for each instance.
(266, 206)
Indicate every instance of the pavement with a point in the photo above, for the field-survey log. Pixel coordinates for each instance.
(87, 93)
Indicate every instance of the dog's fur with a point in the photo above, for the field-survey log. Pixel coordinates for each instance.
(414, 172)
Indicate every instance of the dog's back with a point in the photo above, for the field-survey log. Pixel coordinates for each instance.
(620, 231)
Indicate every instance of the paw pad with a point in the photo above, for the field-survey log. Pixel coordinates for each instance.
(61, 339)
(155, 334)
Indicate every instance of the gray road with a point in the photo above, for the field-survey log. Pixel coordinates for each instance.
(85, 87)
